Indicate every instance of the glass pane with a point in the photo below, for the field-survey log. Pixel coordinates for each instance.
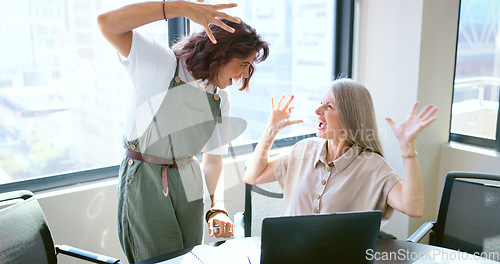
(477, 73)
(62, 88)
(300, 34)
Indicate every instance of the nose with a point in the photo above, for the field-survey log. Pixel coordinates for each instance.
(318, 110)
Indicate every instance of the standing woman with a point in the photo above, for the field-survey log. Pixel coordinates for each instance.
(180, 109)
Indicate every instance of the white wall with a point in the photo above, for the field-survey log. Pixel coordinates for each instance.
(405, 53)
(84, 216)
(462, 157)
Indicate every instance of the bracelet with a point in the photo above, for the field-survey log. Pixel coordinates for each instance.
(163, 7)
(213, 211)
(410, 155)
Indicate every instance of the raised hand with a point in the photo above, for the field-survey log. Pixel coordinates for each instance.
(279, 118)
(408, 130)
(204, 15)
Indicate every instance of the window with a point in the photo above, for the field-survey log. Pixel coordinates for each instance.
(62, 89)
(63, 92)
(475, 105)
(301, 61)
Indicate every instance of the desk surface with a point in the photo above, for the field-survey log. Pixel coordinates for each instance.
(247, 251)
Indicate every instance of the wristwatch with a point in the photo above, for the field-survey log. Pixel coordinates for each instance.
(213, 211)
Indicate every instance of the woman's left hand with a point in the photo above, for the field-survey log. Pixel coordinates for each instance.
(220, 225)
(408, 130)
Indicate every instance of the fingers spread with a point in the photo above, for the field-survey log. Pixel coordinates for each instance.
(414, 108)
(223, 15)
(429, 121)
(220, 24)
(293, 122)
(390, 121)
(224, 6)
(210, 34)
(288, 102)
(278, 106)
(427, 112)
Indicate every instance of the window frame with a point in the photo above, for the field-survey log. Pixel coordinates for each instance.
(466, 139)
(178, 27)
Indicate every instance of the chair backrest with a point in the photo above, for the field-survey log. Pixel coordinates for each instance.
(261, 201)
(469, 213)
(24, 234)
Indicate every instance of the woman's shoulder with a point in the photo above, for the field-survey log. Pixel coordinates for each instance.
(375, 161)
(142, 41)
(309, 144)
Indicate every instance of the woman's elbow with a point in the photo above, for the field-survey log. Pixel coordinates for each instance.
(416, 212)
(249, 179)
(101, 19)
(104, 22)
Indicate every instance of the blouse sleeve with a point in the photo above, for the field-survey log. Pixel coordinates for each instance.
(281, 168)
(150, 64)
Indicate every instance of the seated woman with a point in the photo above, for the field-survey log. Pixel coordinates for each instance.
(343, 169)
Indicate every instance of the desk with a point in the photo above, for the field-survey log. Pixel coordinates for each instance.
(247, 251)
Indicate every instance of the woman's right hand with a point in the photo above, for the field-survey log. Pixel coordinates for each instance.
(117, 25)
(260, 169)
(204, 15)
(279, 118)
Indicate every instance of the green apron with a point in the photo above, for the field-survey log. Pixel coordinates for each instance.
(149, 222)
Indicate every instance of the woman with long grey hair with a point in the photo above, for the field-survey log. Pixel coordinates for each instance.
(343, 169)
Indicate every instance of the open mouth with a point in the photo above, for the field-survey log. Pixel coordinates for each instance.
(321, 125)
(233, 81)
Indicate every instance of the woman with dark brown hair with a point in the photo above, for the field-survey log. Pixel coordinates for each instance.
(181, 108)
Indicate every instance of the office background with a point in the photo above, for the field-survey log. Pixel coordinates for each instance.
(404, 51)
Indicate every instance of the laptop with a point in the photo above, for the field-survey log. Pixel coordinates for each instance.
(325, 238)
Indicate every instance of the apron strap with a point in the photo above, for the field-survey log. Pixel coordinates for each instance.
(176, 79)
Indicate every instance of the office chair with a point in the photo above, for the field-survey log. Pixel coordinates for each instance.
(25, 236)
(265, 200)
(468, 216)
(261, 201)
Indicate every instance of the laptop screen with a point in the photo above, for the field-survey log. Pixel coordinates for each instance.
(325, 238)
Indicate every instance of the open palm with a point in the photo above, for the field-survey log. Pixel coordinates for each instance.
(408, 130)
(280, 114)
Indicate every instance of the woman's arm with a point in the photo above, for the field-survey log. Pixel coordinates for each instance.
(408, 196)
(212, 169)
(117, 25)
(260, 169)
